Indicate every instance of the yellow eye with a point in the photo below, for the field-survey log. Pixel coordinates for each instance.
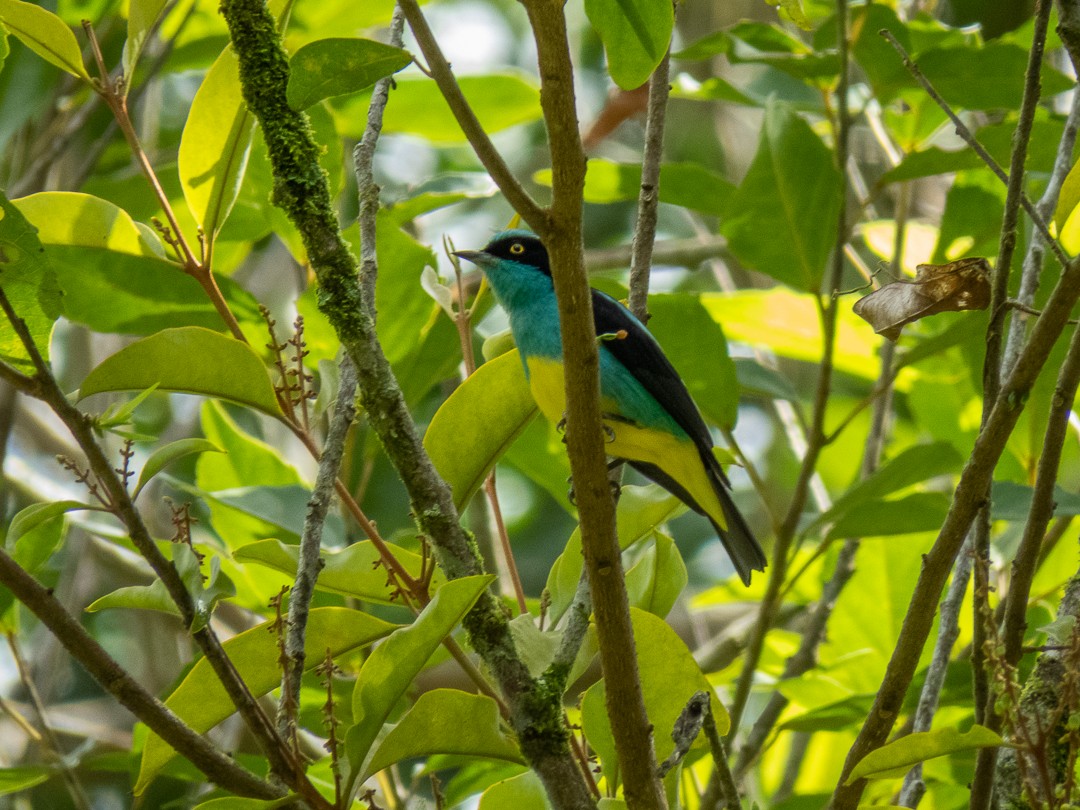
(517, 248)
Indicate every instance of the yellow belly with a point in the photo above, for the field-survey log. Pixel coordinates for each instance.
(678, 457)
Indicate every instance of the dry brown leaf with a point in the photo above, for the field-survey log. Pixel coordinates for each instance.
(953, 287)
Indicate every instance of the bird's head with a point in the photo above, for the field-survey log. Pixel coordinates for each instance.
(516, 247)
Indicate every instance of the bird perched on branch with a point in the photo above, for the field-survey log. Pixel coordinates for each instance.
(650, 421)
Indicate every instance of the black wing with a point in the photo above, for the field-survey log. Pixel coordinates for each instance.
(642, 356)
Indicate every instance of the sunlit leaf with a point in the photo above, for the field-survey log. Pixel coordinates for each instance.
(522, 792)
(201, 701)
(389, 670)
(29, 283)
(657, 579)
(639, 512)
(478, 422)
(164, 456)
(45, 34)
(790, 325)
(636, 35)
(782, 219)
(29, 539)
(188, 360)
(500, 101)
(669, 678)
(215, 145)
(16, 780)
(354, 571)
(445, 721)
(142, 15)
(687, 184)
(114, 271)
(896, 757)
(335, 67)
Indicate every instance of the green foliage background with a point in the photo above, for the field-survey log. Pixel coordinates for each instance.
(750, 195)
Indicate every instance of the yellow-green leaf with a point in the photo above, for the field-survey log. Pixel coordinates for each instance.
(201, 701)
(45, 34)
(188, 360)
(478, 422)
(215, 145)
(896, 757)
(337, 66)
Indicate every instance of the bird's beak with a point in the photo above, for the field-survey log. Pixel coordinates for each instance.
(474, 256)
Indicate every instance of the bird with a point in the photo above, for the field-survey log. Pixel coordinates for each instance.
(650, 420)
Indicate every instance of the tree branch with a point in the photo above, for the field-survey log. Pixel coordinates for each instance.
(309, 563)
(440, 71)
(584, 438)
(969, 498)
(300, 188)
(649, 194)
(114, 679)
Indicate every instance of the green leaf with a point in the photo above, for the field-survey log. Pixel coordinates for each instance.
(139, 597)
(669, 678)
(478, 422)
(29, 283)
(636, 35)
(5, 47)
(45, 34)
(389, 670)
(354, 571)
(695, 343)
(912, 466)
(142, 15)
(114, 271)
(640, 511)
(237, 803)
(754, 378)
(500, 101)
(206, 589)
(201, 701)
(1012, 501)
(445, 721)
(986, 78)
(898, 756)
(657, 579)
(215, 145)
(782, 219)
(164, 456)
(918, 512)
(335, 67)
(687, 184)
(189, 360)
(1067, 215)
(789, 324)
(522, 792)
(30, 540)
(15, 780)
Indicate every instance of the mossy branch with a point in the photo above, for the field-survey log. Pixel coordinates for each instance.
(301, 190)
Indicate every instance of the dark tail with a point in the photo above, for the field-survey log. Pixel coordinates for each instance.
(739, 542)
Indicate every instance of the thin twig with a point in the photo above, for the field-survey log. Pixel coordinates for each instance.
(649, 194)
(114, 679)
(828, 315)
(48, 739)
(1033, 261)
(969, 498)
(485, 150)
(972, 141)
(729, 791)
(309, 563)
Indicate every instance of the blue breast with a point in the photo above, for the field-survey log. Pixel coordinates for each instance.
(528, 296)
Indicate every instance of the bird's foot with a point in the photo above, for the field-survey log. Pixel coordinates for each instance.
(616, 487)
